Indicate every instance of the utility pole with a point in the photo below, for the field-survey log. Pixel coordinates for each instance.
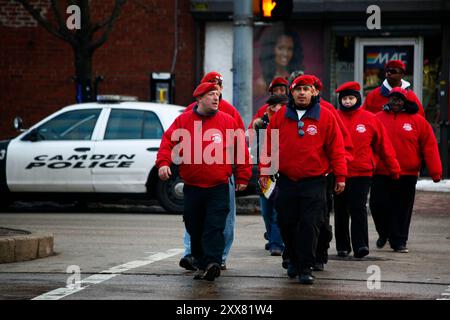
(243, 58)
(444, 99)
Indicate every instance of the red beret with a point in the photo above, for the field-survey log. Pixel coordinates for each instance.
(317, 83)
(278, 81)
(396, 64)
(351, 85)
(303, 80)
(212, 77)
(400, 92)
(205, 87)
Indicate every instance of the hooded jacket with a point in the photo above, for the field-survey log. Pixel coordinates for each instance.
(369, 138)
(413, 140)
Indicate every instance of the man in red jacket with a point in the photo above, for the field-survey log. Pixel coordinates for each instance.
(326, 231)
(187, 261)
(392, 201)
(369, 137)
(310, 145)
(201, 142)
(377, 98)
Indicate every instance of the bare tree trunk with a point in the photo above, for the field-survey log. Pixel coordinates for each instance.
(83, 77)
(82, 40)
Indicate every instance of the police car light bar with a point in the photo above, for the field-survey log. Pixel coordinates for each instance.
(115, 98)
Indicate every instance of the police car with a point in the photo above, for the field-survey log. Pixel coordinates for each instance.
(93, 151)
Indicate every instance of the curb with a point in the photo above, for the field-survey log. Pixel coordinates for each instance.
(16, 248)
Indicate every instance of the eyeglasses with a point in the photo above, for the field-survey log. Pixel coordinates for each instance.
(300, 126)
(392, 71)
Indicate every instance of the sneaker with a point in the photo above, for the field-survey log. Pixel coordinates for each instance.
(292, 271)
(188, 262)
(361, 252)
(319, 266)
(306, 277)
(276, 252)
(381, 242)
(266, 236)
(212, 272)
(401, 249)
(266, 246)
(199, 274)
(223, 266)
(342, 254)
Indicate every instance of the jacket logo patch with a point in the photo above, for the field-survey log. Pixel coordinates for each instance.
(361, 128)
(312, 130)
(216, 138)
(407, 127)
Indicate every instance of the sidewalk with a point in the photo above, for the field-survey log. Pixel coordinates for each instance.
(426, 184)
(20, 245)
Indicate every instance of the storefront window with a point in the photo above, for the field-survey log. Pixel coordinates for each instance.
(376, 57)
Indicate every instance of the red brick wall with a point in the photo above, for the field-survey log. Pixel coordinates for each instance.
(36, 68)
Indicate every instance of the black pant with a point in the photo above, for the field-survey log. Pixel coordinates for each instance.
(352, 203)
(326, 230)
(391, 204)
(205, 214)
(301, 207)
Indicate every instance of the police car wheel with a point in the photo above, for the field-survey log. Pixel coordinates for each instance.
(170, 194)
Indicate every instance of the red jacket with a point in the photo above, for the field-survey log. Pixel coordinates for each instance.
(348, 144)
(196, 170)
(369, 137)
(378, 97)
(413, 140)
(319, 151)
(226, 107)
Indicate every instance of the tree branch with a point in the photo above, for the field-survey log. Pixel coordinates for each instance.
(108, 24)
(62, 25)
(36, 14)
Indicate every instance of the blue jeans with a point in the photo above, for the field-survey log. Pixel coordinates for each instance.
(269, 215)
(230, 224)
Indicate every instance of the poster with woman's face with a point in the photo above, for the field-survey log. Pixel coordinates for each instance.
(281, 49)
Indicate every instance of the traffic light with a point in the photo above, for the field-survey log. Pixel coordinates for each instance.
(275, 10)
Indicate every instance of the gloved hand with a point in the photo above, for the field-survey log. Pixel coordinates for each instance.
(436, 179)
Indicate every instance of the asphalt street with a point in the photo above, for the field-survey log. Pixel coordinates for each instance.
(132, 252)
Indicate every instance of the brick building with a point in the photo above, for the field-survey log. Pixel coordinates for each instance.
(37, 69)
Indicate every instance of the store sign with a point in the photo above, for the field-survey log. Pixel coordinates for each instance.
(379, 58)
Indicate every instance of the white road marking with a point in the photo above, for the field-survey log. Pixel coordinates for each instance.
(445, 295)
(106, 275)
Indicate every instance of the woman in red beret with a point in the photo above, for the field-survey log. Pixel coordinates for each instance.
(392, 201)
(377, 98)
(369, 137)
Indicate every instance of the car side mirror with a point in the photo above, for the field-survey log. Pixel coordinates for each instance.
(32, 136)
(18, 124)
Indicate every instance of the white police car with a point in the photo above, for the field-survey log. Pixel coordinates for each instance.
(93, 151)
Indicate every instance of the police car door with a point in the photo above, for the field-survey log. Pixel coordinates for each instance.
(54, 155)
(130, 142)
